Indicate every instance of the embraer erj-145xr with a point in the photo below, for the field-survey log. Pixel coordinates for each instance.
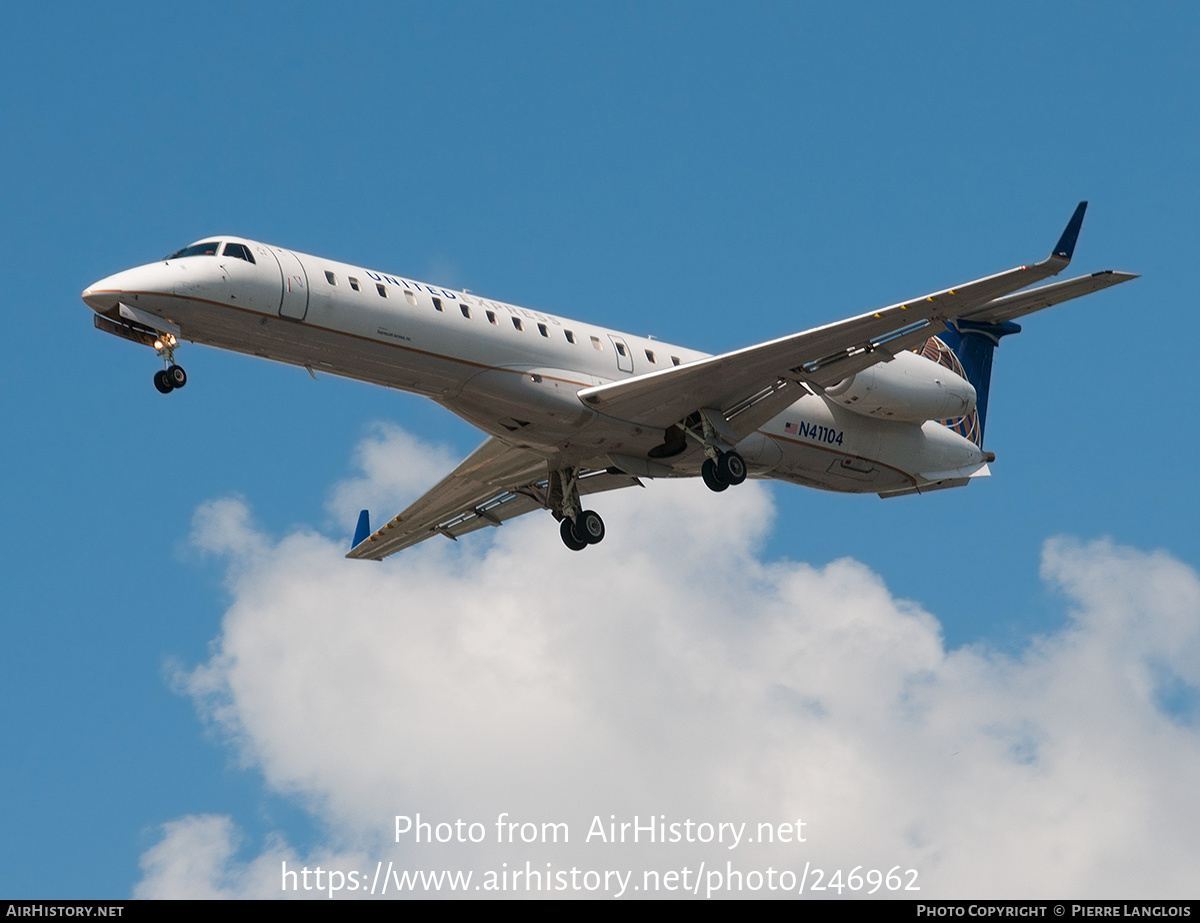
(893, 401)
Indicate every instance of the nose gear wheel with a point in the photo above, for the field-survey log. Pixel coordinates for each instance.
(170, 378)
(173, 376)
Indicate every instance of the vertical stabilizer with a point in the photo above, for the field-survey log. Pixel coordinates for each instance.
(973, 345)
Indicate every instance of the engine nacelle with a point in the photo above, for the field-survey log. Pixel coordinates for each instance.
(910, 388)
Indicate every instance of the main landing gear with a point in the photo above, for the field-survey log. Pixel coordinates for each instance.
(586, 529)
(722, 467)
(578, 528)
(173, 376)
(726, 469)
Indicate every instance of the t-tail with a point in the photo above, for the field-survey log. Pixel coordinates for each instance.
(967, 343)
(972, 345)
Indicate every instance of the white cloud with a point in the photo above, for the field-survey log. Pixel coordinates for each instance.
(193, 861)
(197, 859)
(672, 670)
(396, 469)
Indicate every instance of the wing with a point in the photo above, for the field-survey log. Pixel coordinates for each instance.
(494, 483)
(749, 386)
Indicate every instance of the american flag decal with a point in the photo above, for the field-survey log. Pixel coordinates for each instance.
(790, 428)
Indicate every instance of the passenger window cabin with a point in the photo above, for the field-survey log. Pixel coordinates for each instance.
(543, 331)
(382, 291)
(597, 345)
(354, 283)
(517, 323)
(570, 336)
(437, 304)
(466, 311)
(330, 277)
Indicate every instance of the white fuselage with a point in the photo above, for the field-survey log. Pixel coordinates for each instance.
(511, 371)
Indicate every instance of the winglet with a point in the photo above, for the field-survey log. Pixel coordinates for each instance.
(1066, 244)
(363, 530)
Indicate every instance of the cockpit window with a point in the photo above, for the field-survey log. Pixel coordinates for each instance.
(208, 248)
(241, 251)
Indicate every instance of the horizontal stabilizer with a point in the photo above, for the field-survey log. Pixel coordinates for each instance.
(1019, 304)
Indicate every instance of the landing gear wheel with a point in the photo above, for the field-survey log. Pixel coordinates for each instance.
(712, 480)
(163, 382)
(177, 376)
(732, 468)
(589, 527)
(566, 531)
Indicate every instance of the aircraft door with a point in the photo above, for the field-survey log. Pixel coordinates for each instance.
(293, 301)
(624, 356)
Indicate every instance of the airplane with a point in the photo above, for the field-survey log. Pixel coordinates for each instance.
(891, 402)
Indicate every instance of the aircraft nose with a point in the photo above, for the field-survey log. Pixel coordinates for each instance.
(103, 296)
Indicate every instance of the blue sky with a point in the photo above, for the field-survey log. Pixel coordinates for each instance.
(714, 176)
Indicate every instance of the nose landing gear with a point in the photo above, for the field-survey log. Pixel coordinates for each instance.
(173, 376)
(170, 378)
